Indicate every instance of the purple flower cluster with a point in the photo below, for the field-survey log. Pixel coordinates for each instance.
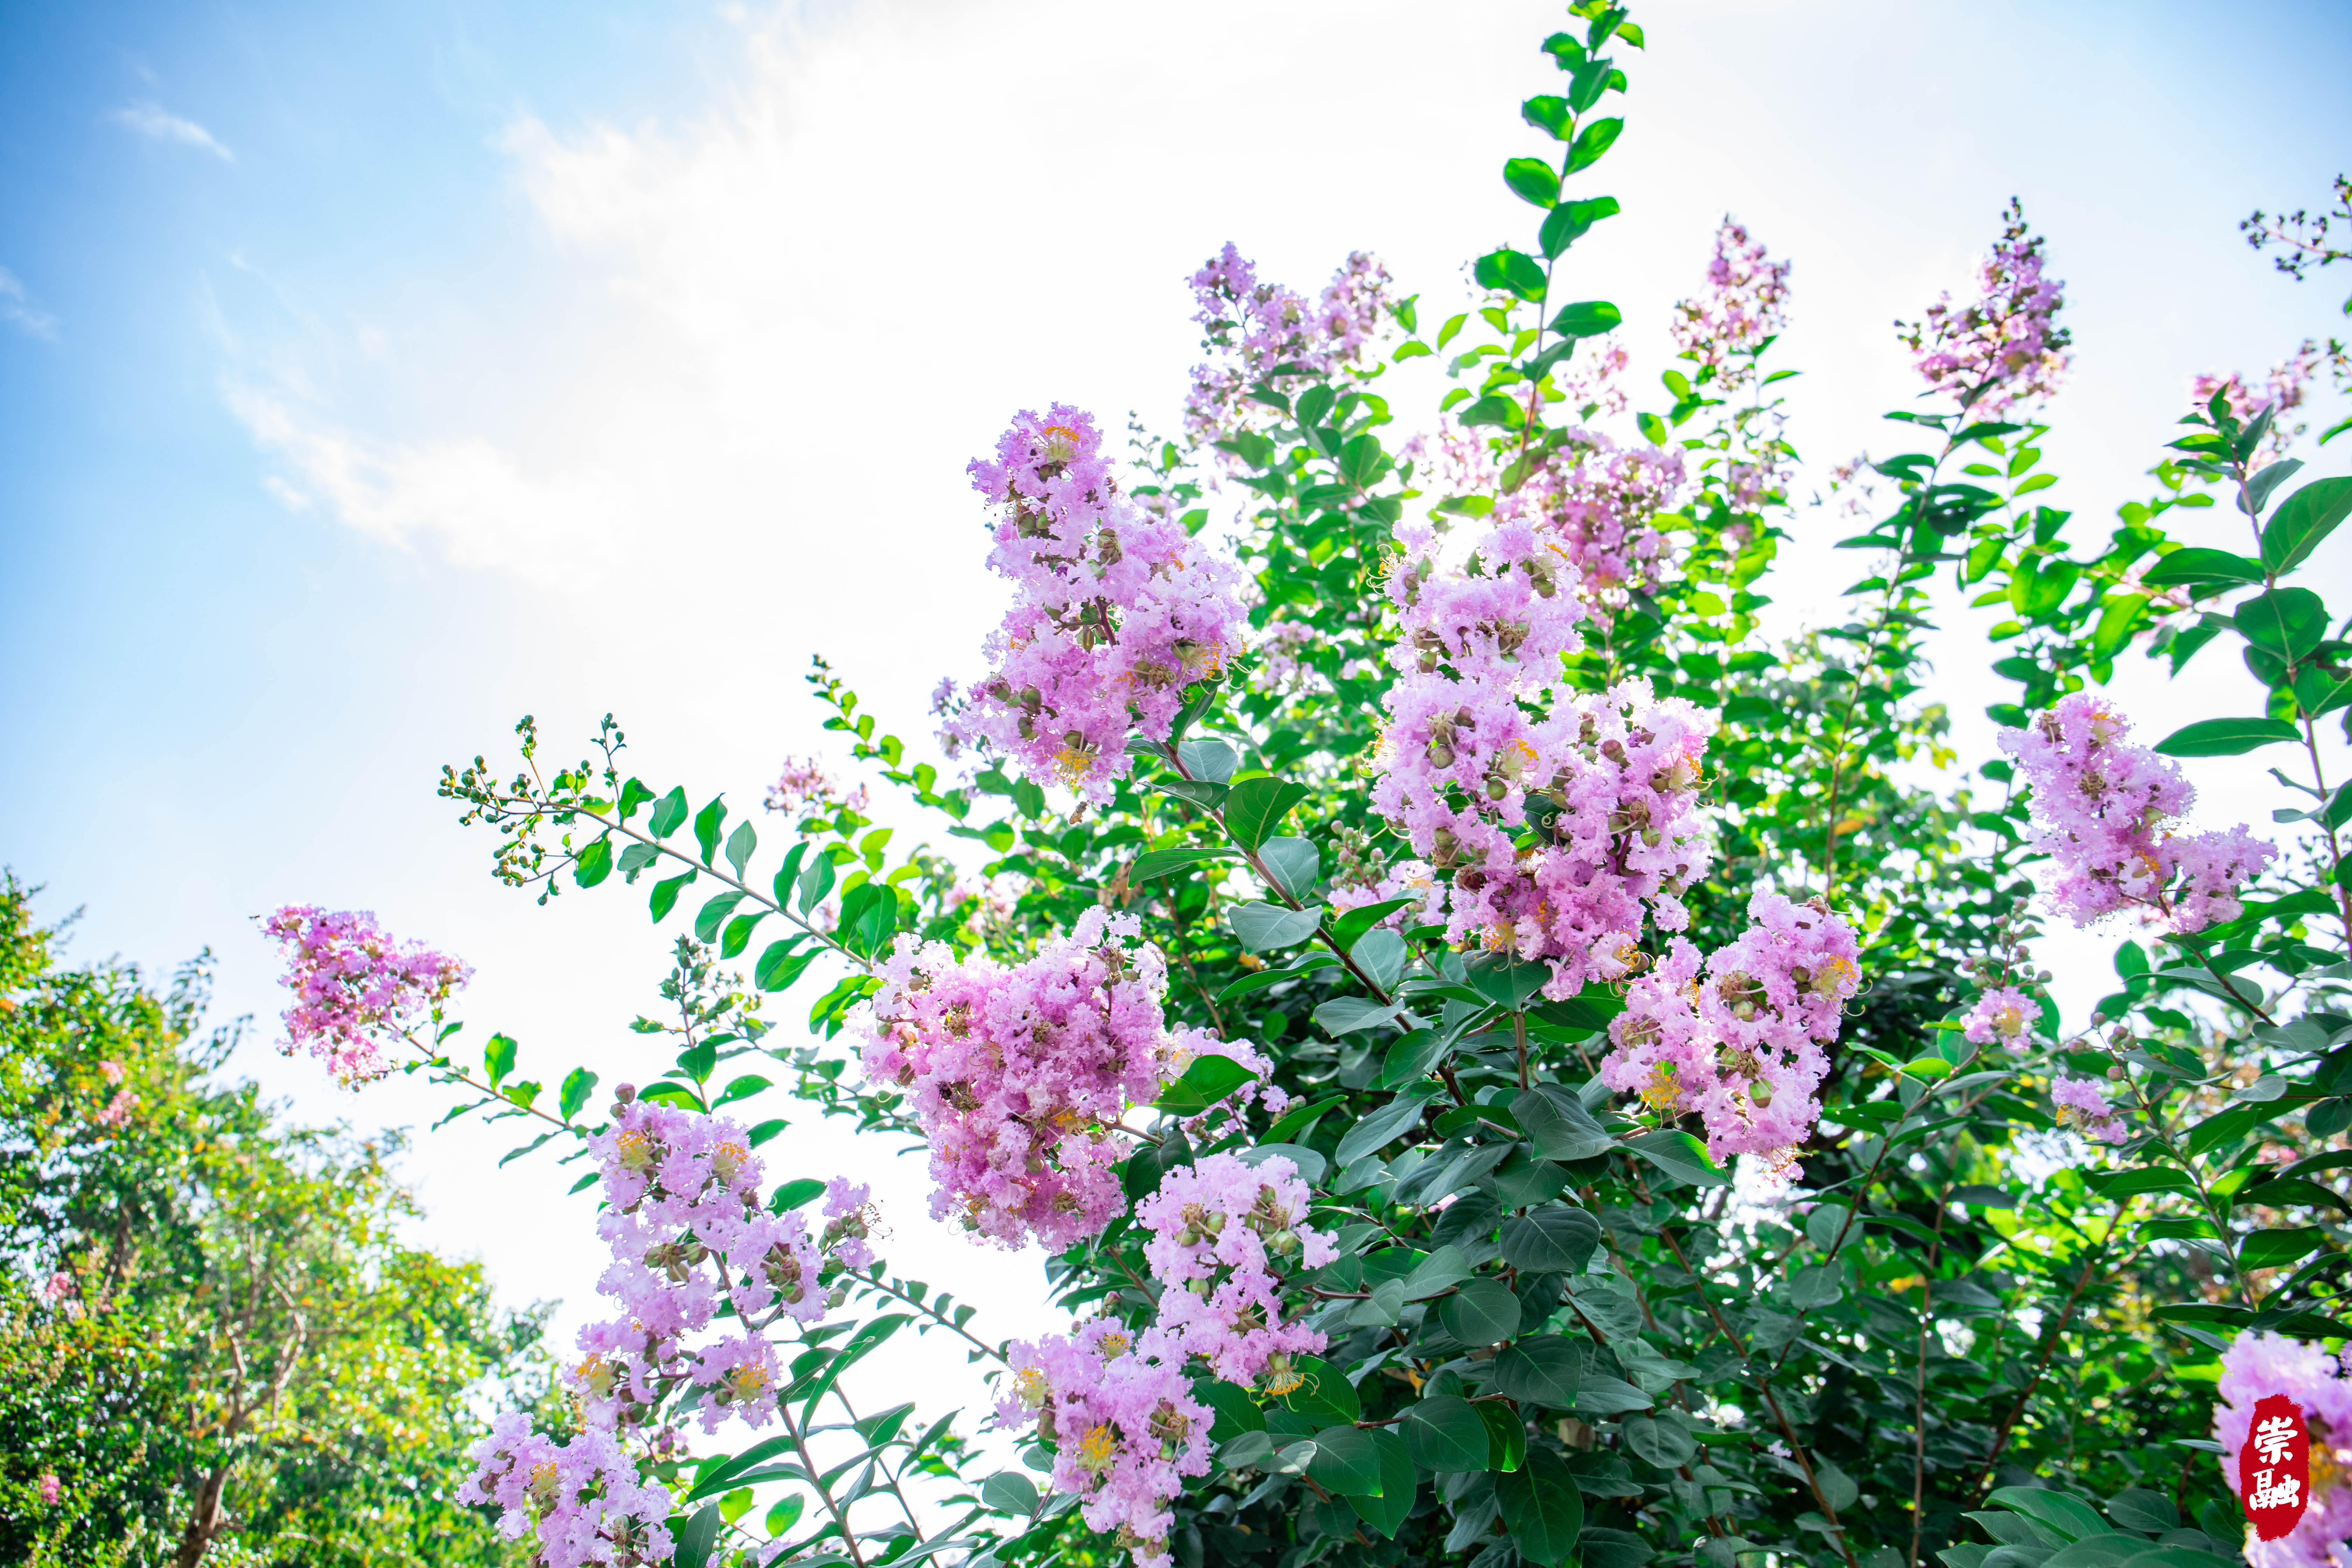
(683, 1220)
(2103, 810)
(2003, 1016)
(582, 1500)
(1217, 1226)
(353, 985)
(1116, 612)
(1745, 307)
(1120, 1406)
(1743, 1046)
(2003, 349)
(2261, 1363)
(806, 787)
(1017, 1073)
(1122, 1413)
(1252, 328)
(2282, 390)
(1595, 504)
(2083, 1104)
(1609, 783)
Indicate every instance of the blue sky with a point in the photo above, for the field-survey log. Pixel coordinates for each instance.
(373, 374)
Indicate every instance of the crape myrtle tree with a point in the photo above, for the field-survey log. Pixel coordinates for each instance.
(1505, 1061)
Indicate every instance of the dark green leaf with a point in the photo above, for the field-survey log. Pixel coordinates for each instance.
(1385, 1125)
(1349, 928)
(2226, 737)
(1009, 1491)
(1261, 927)
(779, 966)
(1387, 1512)
(1482, 1313)
(2287, 622)
(1557, 1123)
(1679, 1156)
(1326, 1396)
(1555, 1240)
(694, 1539)
(2303, 520)
(665, 894)
(1256, 807)
(1543, 1508)
(1346, 1462)
(2274, 1248)
(869, 918)
(1295, 863)
(713, 914)
(2139, 1509)
(1157, 863)
(1665, 1440)
(1543, 1369)
(1507, 1434)
(1445, 1435)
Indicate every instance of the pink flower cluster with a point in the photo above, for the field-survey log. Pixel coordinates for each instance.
(2258, 1364)
(2103, 811)
(683, 1220)
(1217, 1226)
(2005, 347)
(1255, 330)
(1609, 783)
(1596, 504)
(807, 788)
(353, 986)
(1016, 1073)
(51, 1488)
(2003, 1016)
(1120, 1406)
(2083, 1104)
(1122, 1413)
(1745, 306)
(1589, 381)
(1116, 612)
(1742, 1047)
(2282, 390)
(582, 1500)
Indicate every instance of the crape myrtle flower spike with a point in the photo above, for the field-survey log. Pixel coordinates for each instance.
(354, 986)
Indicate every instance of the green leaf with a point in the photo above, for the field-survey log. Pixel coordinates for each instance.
(1256, 807)
(632, 795)
(740, 846)
(1586, 319)
(2139, 1509)
(2145, 1179)
(713, 914)
(2226, 737)
(1533, 180)
(1567, 223)
(1445, 1435)
(1482, 1313)
(1385, 1125)
(1512, 271)
(779, 966)
(669, 813)
(869, 918)
(1326, 1396)
(1555, 1240)
(665, 894)
(1545, 1369)
(1592, 141)
(1009, 1491)
(2069, 1516)
(578, 1085)
(1550, 114)
(498, 1057)
(1557, 1123)
(816, 881)
(594, 864)
(2275, 1248)
(2303, 520)
(1349, 928)
(1495, 410)
(1398, 1484)
(1297, 864)
(743, 1088)
(1296, 1121)
(1157, 863)
(1261, 927)
(1543, 1508)
(1504, 981)
(1679, 1156)
(788, 873)
(706, 826)
(1206, 1081)
(694, 1539)
(2288, 622)
(1346, 1462)
(2202, 565)
(739, 933)
(1665, 1440)
(791, 1195)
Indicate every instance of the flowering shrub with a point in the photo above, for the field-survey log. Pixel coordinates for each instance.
(1505, 1061)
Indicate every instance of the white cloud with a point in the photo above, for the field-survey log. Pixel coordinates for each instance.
(17, 308)
(158, 124)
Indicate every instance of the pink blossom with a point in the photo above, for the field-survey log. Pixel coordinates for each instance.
(51, 1488)
(1254, 331)
(581, 1501)
(2104, 810)
(113, 1069)
(1116, 612)
(2260, 1363)
(1742, 1048)
(2282, 391)
(1745, 306)
(2005, 1016)
(58, 1287)
(355, 985)
(2003, 349)
(1218, 1226)
(1595, 506)
(806, 788)
(2083, 1104)
(1017, 1074)
(118, 1109)
(1121, 1411)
